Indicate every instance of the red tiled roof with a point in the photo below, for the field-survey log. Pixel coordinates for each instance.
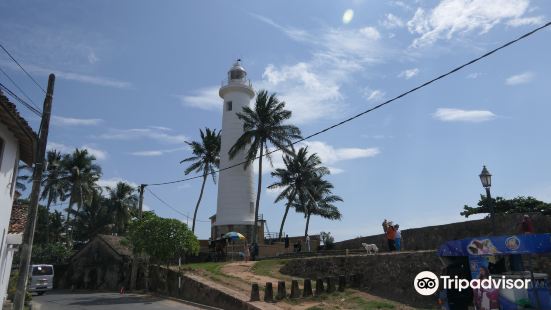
(18, 218)
(20, 128)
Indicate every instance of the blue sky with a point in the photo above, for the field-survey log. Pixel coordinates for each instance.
(135, 79)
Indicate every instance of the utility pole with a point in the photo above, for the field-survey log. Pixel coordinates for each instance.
(27, 246)
(134, 271)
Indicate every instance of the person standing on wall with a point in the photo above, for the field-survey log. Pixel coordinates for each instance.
(286, 243)
(390, 237)
(398, 238)
(307, 243)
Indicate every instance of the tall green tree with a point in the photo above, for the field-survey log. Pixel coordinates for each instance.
(54, 182)
(121, 199)
(93, 218)
(205, 160)
(318, 200)
(264, 125)
(300, 169)
(161, 238)
(82, 176)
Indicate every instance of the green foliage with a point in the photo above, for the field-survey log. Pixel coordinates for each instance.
(50, 253)
(161, 238)
(327, 240)
(205, 160)
(501, 205)
(12, 288)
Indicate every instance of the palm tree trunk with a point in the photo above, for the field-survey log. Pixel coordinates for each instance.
(198, 202)
(258, 190)
(285, 215)
(307, 223)
(48, 220)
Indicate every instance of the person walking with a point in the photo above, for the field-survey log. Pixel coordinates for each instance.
(526, 226)
(390, 237)
(398, 238)
(307, 243)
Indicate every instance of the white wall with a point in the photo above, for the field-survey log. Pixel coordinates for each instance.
(235, 204)
(9, 159)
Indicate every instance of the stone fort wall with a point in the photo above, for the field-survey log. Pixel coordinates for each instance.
(431, 237)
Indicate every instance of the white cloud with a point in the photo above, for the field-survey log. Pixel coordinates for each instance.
(308, 95)
(155, 153)
(373, 94)
(392, 21)
(112, 182)
(71, 76)
(474, 75)
(99, 154)
(526, 21)
(205, 98)
(347, 16)
(329, 155)
(158, 135)
(92, 58)
(70, 121)
(518, 79)
(67, 149)
(458, 115)
(409, 73)
(451, 17)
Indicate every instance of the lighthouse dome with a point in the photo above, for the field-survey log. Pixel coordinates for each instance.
(237, 72)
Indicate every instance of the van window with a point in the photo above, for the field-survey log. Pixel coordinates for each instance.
(43, 271)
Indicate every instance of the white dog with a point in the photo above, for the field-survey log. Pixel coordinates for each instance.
(370, 248)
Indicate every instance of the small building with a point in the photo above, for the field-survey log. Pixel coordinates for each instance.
(17, 142)
(104, 263)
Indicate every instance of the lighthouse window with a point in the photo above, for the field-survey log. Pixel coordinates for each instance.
(229, 106)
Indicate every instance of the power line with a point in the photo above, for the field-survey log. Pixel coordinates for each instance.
(370, 109)
(23, 102)
(19, 88)
(171, 207)
(20, 66)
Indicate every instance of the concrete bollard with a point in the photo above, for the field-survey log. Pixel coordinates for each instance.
(269, 292)
(319, 287)
(330, 284)
(342, 283)
(255, 292)
(295, 291)
(307, 289)
(281, 291)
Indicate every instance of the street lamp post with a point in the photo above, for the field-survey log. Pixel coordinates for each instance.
(486, 179)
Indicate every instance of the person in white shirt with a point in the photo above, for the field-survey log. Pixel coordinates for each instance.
(398, 238)
(307, 243)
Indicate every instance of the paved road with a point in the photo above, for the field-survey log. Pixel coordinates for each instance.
(76, 301)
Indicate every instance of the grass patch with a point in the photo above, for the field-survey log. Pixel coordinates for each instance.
(348, 300)
(210, 267)
(269, 268)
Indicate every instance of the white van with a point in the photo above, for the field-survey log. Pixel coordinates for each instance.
(41, 278)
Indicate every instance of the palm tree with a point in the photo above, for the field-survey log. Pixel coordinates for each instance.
(94, 217)
(24, 174)
(262, 126)
(318, 200)
(82, 175)
(121, 200)
(300, 169)
(205, 159)
(54, 183)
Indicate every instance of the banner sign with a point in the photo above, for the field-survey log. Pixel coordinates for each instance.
(497, 245)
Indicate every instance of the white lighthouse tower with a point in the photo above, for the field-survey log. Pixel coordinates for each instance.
(235, 206)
